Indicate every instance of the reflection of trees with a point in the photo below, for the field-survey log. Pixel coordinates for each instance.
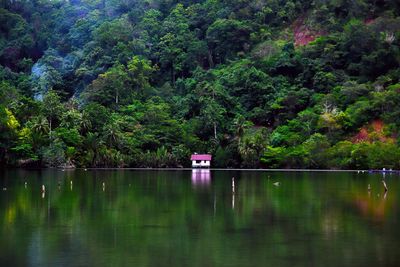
(144, 214)
(374, 205)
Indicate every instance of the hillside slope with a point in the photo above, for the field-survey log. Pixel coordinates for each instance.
(257, 83)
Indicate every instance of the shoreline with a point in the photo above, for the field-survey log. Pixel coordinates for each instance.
(210, 169)
(221, 169)
(247, 170)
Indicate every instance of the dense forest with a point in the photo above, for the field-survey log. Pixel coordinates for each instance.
(145, 83)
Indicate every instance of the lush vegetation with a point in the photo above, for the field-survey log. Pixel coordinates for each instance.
(257, 83)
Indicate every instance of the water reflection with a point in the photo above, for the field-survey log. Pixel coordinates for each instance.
(43, 191)
(201, 177)
(147, 217)
(233, 192)
(374, 203)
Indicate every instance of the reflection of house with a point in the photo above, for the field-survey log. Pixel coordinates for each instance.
(201, 177)
(201, 160)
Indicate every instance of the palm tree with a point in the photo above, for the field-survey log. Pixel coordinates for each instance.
(40, 125)
(240, 125)
(85, 123)
(92, 143)
(112, 134)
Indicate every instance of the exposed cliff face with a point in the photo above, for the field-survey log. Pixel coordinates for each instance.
(304, 34)
(375, 131)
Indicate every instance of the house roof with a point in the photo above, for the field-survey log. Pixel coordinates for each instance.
(201, 157)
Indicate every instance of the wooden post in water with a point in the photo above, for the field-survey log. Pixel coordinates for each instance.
(384, 185)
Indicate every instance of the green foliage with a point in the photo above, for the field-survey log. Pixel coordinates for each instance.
(120, 84)
(277, 84)
(226, 37)
(54, 154)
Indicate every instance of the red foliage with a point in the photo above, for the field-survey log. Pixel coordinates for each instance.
(378, 125)
(362, 136)
(372, 132)
(302, 34)
(369, 21)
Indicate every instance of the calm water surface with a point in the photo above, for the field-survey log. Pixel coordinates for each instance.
(203, 218)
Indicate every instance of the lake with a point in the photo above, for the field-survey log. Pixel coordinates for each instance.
(198, 218)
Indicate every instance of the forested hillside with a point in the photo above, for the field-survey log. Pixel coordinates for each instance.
(145, 83)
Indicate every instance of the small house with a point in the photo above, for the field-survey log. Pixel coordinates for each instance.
(201, 160)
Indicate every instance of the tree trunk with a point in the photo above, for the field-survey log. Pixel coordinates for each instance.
(50, 133)
(210, 59)
(215, 130)
(172, 74)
